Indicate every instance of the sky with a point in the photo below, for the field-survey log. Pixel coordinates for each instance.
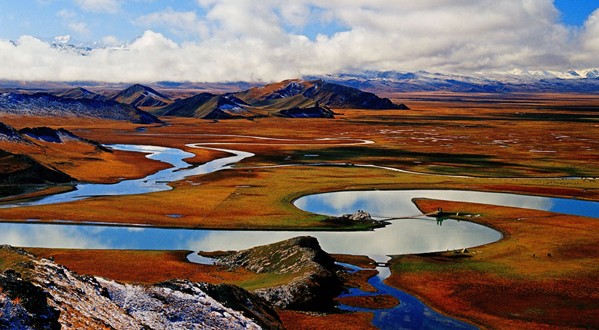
(271, 40)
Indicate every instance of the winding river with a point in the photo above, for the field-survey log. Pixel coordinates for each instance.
(415, 234)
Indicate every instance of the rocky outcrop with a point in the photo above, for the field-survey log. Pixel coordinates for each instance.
(249, 304)
(360, 217)
(174, 305)
(315, 283)
(24, 305)
(49, 296)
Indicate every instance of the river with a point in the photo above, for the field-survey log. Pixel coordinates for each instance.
(414, 234)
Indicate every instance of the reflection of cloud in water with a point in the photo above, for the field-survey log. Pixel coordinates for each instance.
(52, 236)
(405, 236)
(398, 203)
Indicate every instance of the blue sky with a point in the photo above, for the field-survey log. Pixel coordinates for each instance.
(575, 12)
(217, 40)
(89, 23)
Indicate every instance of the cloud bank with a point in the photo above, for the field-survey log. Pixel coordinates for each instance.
(238, 40)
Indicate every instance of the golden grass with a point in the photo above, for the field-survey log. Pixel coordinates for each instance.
(299, 320)
(543, 274)
(151, 267)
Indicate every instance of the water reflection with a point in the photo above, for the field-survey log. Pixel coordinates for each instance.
(410, 313)
(406, 236)
(398, 203)
(152, 183)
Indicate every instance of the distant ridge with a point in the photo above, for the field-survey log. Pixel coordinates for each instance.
(81, 93)
(44, 104)
(507, 82)
(142, 97)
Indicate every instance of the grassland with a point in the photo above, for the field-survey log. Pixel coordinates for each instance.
(543, 274)
(510, 143)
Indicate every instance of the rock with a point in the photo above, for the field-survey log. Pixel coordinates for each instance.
(361, 216)
(52, 297)
(8, 133)
(176, 304)
(358, 217)
(249, 304)
(24, 305)
(315, 284)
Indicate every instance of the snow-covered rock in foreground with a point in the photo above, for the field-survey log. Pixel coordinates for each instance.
(181, 305)
(49, 296)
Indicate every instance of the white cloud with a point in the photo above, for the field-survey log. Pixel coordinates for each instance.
(111, 41)
(241, 40)
(66, 14)
(589, 40)
(108, 6)
(79, 27)
(180, 23)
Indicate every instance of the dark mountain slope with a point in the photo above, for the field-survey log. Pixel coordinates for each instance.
(60, 135)
(9, 134)
(141, 96)
(300, 93)
(22, 169)
(188, 107)
(44, 104)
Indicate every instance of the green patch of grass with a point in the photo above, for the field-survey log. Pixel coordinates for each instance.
(266, 280)
(10, 259)
(447, 262)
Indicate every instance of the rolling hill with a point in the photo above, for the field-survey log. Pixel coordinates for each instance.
(301, 93)
(142, 97)
(81, 93)
(22, 169)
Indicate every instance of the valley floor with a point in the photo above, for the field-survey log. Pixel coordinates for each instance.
(510, 143)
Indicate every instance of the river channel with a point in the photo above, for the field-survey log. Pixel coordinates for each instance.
(414, 234)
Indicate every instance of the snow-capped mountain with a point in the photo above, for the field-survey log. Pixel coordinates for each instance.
(490, 82)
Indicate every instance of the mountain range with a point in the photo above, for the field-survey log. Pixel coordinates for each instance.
(517, 81)
(310, 97)
(290, 98)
